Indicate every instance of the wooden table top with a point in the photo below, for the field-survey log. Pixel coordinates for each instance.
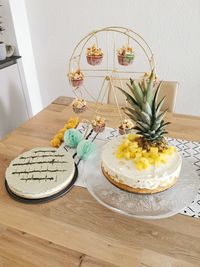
(77, 231)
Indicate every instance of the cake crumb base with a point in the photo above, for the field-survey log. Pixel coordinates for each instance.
(137, 190)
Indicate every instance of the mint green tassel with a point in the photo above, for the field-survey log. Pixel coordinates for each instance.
(86, 149)
(72, 137)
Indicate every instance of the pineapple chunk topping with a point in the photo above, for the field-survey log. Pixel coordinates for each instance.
(129, 149)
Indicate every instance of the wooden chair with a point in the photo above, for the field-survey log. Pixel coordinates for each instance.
(168, 89)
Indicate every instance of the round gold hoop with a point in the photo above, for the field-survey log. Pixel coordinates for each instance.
(137, 38)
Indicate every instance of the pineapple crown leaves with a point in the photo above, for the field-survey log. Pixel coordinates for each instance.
(144, 109)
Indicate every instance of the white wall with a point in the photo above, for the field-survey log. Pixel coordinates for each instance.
(28, 70)
(170, 27)
(13, 106)
(13, 109)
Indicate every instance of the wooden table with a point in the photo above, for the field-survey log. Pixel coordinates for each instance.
(77, 231)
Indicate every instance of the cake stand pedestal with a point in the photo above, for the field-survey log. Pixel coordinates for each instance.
(154, 206)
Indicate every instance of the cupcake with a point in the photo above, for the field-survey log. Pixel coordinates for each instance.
(79, 105)
(126, 126)
(98, 124)
(94, 55)
(76, 78)
(125, 55)
(147, 75)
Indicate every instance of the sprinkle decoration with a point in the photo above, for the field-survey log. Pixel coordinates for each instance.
(72, 137)
(59, 137)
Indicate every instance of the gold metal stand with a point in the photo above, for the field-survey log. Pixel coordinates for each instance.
(107, 73)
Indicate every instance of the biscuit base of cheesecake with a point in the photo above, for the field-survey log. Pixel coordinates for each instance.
(137, 190)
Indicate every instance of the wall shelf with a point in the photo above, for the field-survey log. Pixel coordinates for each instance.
(8, 61)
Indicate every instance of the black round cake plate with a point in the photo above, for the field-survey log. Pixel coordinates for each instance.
(44, 199)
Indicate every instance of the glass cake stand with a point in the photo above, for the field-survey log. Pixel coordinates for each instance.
(155, 206)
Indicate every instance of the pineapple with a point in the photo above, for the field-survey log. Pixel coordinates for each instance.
(146, 112)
